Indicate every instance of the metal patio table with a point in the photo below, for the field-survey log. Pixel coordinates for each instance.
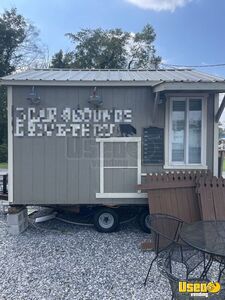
(208, 237)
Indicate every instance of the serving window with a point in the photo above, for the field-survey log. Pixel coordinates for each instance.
(186, 132)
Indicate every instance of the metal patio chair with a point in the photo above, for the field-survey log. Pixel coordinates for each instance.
(164, 265)
(165, 231)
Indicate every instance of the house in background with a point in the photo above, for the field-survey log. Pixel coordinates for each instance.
(88, 137)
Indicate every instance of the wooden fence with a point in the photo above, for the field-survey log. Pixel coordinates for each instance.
(174, 193)
(211, 196)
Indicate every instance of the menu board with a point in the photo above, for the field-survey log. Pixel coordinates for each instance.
(153, 145)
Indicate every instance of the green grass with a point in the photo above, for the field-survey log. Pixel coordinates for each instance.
(224, 165)
(3, 165)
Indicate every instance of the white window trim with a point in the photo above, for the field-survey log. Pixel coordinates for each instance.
(216, 138)
(168, 132)
(102, 194)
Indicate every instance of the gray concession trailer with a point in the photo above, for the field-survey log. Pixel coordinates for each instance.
(89, 137)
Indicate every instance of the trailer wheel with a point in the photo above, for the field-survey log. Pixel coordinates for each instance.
(106, 220)
(143, 219)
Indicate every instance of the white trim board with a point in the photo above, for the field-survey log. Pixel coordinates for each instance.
(168, 133)
(101, 167)
(119, 139)
(112, 195)
(185, 167)
(122, 195)
(10, 145)
(216, 138)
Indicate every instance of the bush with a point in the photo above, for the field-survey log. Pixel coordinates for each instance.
(3, 153)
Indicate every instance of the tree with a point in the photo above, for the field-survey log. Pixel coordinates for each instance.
(19, 43)
(100, 49)
(110, 49)
(12, 34)
(19, 48)
(142, 50)
(61, 60)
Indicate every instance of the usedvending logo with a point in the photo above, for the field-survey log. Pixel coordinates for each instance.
(199, 289)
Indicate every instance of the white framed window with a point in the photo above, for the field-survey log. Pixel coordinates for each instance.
(185, 134)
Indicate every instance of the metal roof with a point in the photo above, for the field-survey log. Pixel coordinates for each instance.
(151, 76)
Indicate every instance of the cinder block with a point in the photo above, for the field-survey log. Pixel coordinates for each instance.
(17, 229)
(18, 222)
(18, 218)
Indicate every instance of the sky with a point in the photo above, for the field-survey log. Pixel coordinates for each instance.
(189, 32)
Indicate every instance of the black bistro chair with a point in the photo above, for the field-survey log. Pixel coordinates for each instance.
(164, 266)
(164, 263)
(165, 231)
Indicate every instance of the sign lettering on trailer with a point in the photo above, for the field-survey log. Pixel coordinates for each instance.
(84, 122)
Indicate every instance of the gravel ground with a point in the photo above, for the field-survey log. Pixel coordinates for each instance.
(76, 262)
(55, 261)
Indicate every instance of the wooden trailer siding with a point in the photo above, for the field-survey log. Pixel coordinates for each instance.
(65, 170)
(120, 154)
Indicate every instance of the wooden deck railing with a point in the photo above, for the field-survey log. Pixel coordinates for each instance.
(211, 195)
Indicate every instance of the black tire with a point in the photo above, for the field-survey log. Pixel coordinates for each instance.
(106, 220)
(142, 220)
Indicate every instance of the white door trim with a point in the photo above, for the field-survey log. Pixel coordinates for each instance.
(102, 194)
